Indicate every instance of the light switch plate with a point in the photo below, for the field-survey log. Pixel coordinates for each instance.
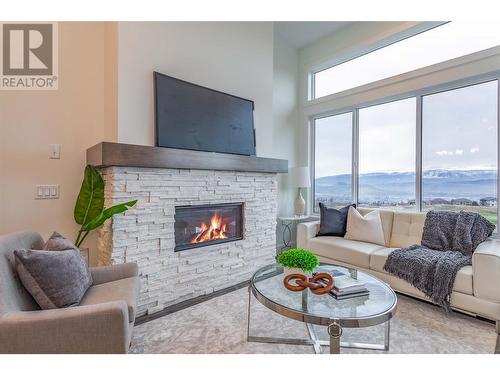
(55, 151)
(47, 192)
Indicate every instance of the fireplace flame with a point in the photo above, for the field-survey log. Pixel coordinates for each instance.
(216, 231)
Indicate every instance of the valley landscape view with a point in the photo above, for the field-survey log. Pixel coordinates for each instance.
(471, 190)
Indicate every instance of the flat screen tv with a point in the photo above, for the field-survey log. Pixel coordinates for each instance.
(194, 117)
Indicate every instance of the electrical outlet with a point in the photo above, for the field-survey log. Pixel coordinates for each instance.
(55, 151)
(47, 192)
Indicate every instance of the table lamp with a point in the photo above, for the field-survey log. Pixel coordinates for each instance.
(300, 178)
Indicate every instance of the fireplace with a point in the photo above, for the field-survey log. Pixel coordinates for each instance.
(210, 224)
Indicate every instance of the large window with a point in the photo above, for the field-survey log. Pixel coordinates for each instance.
(448, 41)
(437, 150)
(333, 160)
(459, 150)
(387, 155)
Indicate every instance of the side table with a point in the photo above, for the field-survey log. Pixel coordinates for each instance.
(288, 224)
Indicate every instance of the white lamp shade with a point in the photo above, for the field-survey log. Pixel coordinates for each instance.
(300, 177)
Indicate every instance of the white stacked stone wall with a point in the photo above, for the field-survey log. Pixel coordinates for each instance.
(145, 233)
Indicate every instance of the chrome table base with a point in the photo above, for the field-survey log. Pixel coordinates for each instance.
(334, 331)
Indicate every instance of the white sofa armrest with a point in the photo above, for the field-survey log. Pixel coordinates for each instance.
(306, 231)
(486, 270)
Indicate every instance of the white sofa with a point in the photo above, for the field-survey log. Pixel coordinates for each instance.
(477, 287)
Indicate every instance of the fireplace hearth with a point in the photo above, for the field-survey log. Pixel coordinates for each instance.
(204, 225)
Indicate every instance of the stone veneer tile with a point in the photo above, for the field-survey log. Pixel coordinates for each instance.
(145, 233)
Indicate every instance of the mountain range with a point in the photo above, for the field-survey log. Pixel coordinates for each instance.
(400, 186)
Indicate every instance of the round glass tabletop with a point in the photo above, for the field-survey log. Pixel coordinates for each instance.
(375, 308)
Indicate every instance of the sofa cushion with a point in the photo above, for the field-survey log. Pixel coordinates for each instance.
(386, 217)
(337, 248)
(378, 258)
(120, 290)
(332, 221)
(463, 280)
(366, 228)
(55, 279)
(407, 229)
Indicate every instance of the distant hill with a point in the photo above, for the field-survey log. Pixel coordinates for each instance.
(397, 186)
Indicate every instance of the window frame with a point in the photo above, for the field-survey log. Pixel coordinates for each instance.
(418, 94)
(400, 36)
(312, 170)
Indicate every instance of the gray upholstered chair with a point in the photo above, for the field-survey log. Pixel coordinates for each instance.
(102, 323)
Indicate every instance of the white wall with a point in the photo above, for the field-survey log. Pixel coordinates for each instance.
(356, 39)
(73, 116)
(232, 57)
(241, 58)
(285, 116)
(106, 93)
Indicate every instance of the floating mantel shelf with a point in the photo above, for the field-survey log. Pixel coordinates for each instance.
(106, 154)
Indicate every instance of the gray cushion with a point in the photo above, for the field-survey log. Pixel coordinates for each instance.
(333, 222)
(119, 290)
(56, 242)
(54, 278)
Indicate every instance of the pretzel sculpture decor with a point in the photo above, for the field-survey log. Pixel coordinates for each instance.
(316, 284)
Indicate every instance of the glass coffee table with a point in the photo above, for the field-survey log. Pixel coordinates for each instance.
(378, 307)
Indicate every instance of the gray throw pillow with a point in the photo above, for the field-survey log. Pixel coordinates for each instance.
(56, 242)
(55, 279)
(333, 222)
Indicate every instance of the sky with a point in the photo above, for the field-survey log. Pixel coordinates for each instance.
(459, 128)
(333, 145)
(387, 137)
(459, 131)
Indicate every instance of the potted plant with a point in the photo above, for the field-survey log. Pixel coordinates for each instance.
(298, 260)
(89, 210)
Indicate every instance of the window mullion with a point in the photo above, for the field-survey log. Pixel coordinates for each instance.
(418, 156)
(312, 171)
(355, 155)
(498, 152)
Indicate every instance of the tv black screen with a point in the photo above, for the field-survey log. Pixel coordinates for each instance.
(193, 117)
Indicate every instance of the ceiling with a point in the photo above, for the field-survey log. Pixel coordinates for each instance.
(299, 34)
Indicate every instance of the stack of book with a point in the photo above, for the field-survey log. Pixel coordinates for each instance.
(345, 286)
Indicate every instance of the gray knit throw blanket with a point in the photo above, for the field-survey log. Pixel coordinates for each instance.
(448, 241)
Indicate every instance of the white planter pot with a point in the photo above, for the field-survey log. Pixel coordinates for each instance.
(287, 271)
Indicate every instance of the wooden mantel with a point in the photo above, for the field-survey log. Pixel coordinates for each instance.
(106, 154)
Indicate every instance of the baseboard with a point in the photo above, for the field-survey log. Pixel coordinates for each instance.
(188, 303)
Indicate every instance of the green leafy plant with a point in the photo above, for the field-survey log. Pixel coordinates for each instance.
(89, 208)
(298, 258)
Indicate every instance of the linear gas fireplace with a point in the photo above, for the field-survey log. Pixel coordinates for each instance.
(205, 225)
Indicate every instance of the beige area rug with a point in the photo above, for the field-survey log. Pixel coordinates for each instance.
(219, 326)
